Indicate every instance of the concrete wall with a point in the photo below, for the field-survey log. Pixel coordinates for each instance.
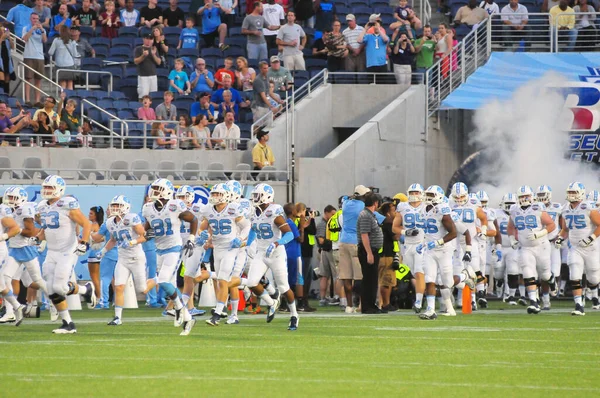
(387, 152)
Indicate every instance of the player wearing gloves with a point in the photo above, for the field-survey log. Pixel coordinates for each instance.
(127, 232)
(528, 228)
(58, 216)
(581, 225)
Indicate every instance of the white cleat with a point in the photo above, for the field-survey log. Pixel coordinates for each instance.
(115, 322)
(187, 327)
(8, 318)
(350, 310)
(449, 312)
(232, 320)
(469, 281)
(19, 315)
(53, 313)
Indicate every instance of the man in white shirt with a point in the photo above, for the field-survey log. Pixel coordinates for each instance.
(226, 135)
(514, 23)
(355, 61)
(274, 14)
(490, 7)
(292, 38)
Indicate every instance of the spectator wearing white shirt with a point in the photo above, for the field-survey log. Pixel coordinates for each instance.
(514, 19)
(226, 134)
(355, 61)
(130, 17)
(584, 22)
(292, 38)
(490, 7)
(274, 14)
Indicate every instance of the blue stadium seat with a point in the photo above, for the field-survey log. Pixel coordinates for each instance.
(162, 72)
(130, 71)
(134, 105)
(121, 104)
(359, 3)
(117, 95)
(86, 32)
(235, 52)
(238, 42)
(101, 51)
(361, 9)
(138, 41)
(129, 88)
(184, 102)
(136, 140)
(171, 30)
(128, 31)
(188, 52)
(172, 40)
(87, 94)
(381, 3)
(315, 64)
(126, 42)
(126, 114)
(120, 52)
(94, 41)
(92, 62)
(116, 70)
(236, 32)
(157, 98)
(105, 103)
(211, 52)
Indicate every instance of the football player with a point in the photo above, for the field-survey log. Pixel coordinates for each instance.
(509, 263)
(163, 223)
(528, 227)
(58, 216)
(581, 225)
(490, 244)
(554, 209)
(437, 258)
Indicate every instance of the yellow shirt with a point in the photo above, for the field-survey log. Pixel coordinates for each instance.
(50, 115)
(470, 16)
(561, 21)
(263, 154)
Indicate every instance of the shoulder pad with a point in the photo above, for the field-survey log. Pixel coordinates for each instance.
(68, 202)
(134, 218)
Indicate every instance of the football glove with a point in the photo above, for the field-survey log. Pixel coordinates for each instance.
(127, 244)
(42, 246)
(419, 249)
(270, 249)
(467, 256)
(587, 241)
(150, 234)
(81, 248)
(558, 242)
(537, 234)
(236, 243)
(188, 248)
(101, 254)
(514, 243)
(202, 238)
(412, 232)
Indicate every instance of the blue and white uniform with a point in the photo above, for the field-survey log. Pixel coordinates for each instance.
(61, 241)
(437, 262)
(167, 230)
(467, 214)
(193, 263)
(582, 259)
(267, 232)
(5, 211)
(486, 244)
(22, 256)
(132, 260)
(412, 217)
(241, 261)
(554, 210)
(510, 257)
(534, 255)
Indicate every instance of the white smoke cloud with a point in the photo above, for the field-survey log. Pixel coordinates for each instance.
(527, 140)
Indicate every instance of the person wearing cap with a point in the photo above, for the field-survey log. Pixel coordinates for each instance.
(253, 26)
(280, 77)
(350, 272)
(260, 88)
(292, 38)
(355, 61)
(262, 154)
(146, 59)
(375, 45)
(399, 198)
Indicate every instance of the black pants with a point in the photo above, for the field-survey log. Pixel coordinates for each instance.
(368, 294)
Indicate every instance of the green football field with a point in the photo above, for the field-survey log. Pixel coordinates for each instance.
(499, 352)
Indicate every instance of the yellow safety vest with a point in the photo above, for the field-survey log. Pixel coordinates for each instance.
(402, 272)
(311, 238)
(396, 247)
(333, 227)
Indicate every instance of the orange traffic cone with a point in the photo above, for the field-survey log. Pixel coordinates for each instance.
(467, 308)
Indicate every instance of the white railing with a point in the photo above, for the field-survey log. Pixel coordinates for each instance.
(124, 126)
(21, 75)
(87, 76)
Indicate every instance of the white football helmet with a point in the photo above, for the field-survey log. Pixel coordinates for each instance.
(543, 194)
(220, 193)
(593, 197)
(263, 193)
(161, 189)
(508, 200)
(460, 193)
(53, 187)
(483, 198)
(236, 190)
(435, 195)
(575, 192)
(187, 194)
(525, 195)
(119, 206)
(415, 193)
(14, 197)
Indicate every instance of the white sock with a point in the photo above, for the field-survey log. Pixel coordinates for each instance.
(11, 302)
(445, 293)
(480, 287)
(244, 282)
(473, 298)
(577, 300)
(118, 311)
(522, 291)
(292, 307)
(532, 294)
(512, 292)
(185, 298)
(82, 290)
(343, 302)
(265, 296)
(431, 303)
(177, 303)
(234, 306)
(546, 298)
(418, 299)
(65, 316)
(563, 284)
(219, 307)
(594, 292)
(270, 289)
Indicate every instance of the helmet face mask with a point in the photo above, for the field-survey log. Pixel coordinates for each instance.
(575, 192)
(219, 194)
(53, 187)
(415, 193)
(119, 206)
(14, 197)
(459, 193)
(236, 190)
(161, 189)
(186, 194)
(434, 195)
(263, 194)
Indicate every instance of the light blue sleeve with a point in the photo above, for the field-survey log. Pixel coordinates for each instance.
(380, 218)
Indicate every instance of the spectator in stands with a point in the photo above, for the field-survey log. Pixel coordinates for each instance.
(305, 12)
(147, 60)
(402, 54)
(443, 48)
(470, 15)
(226, 134)
(44, 13)
(161, 47)
(61, 19)
(275, 99)
(7, 70)
(217, 97)
(189, 36)
(151, 15)
(564, 25)
(280, 76)
(227, 106)
(203, 107)
(212, 27)
(48, 109)
(406, 16)
(71, 9)
(227, 69)
(202, 79)
(584, 23)
(337, 48)
(514, 22)
(84, 137)
(42, 126)
(325, 14)
(64, 51)
(262, 154)
(184, 129)
(375, 47)
(162, 137)
(355, 61)
(84, 48)
(173, 16)
(228, 8)
(62, 135)
(19, 15)
(130, 17)
(146, 112)
(253, 26)
(319, 50)
(85, 16)
(179, 81)
(109, 20)
(370, 240)
(201, 133)
(274, 15)
(490, 7)
(7, 126)
(425, 49)
(292, 38)
(167, 110)
(245, 77)
(66, 110)
(260, 103)
(548, 4)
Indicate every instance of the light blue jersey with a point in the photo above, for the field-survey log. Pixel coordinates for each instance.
(19, 247)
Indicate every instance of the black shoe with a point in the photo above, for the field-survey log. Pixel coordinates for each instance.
(579, 311)
(214, 320)
(66, 328)
(307, 307)
(223, 314)
(482, 302)
(390, 308)
(293, 324)
(534, 307)
(383, 311)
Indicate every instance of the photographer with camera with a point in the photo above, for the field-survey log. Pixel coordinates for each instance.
(327, 265)
(402, 53)
(375, 45)
(305, 217)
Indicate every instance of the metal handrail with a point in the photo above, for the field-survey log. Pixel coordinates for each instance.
(87, 76)
(123, 124)
(21, 76)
